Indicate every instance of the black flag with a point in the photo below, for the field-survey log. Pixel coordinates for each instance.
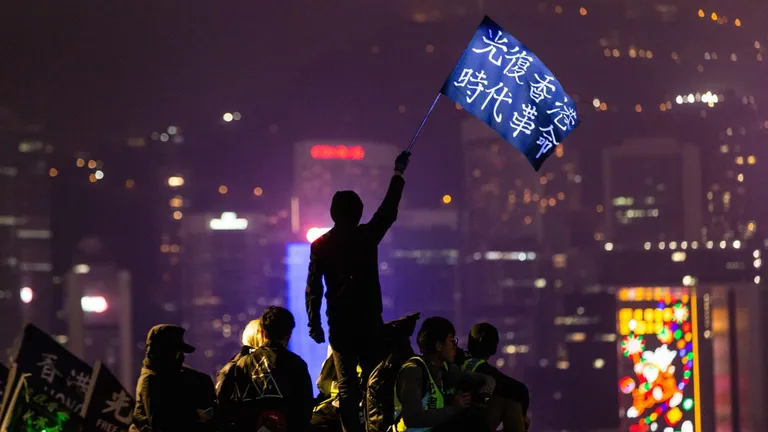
(108, 405)
(32, 408)
(61, 373)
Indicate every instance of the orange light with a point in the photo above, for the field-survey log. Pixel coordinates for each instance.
(80, 162)
(91, 164)
(177, 215)
(342, 152)
(129, 183)
(701, 13)
(714, 16)
(258, 191)
(53, 172)
(223, 189)
(737, 22)
(92, 178)
(447, 199)
(583, 11)
(315, 233)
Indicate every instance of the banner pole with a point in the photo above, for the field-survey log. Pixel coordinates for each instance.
(423, 122)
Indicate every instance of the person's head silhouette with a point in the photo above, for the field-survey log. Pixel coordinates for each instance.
(346, 208)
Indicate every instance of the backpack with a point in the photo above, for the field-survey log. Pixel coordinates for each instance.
(380, 395)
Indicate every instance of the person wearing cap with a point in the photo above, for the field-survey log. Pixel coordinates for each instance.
(346, 258)
(165, 399)
(510, 400)
(269, 389)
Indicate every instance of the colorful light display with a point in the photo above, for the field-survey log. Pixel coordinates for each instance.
(657, 387)
(323, 151)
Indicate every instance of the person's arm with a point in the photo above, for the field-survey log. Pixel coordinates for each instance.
(314, 295)
(227, 404)
(474, 382)
(507, 387)
(386, 214)
(410, 385)
(306, 398)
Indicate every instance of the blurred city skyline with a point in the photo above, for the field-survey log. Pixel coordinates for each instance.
(182, 152)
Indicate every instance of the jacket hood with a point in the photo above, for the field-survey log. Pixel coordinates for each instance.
(346, 208)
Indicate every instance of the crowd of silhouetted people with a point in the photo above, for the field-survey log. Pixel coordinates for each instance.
(372, 380)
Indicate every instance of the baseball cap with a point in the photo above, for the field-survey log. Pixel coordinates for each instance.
(170, 337)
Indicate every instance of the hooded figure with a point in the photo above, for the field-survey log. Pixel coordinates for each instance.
(168, 395)
(347, 258)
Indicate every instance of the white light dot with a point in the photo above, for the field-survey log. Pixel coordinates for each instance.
(609, 246)
(172, 130)
(26, 294)
(99, 174)
(164, 137)
(227, 117)
(236, 115)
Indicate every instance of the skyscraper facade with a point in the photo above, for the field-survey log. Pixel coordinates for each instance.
(27, 293)
(232, 267)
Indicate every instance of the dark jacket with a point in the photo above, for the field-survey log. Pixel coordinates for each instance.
(506, 386)
(244, 350)
(174, 398)
(347, 258)
(270, 385)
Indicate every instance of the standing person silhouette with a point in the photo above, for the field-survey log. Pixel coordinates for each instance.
(347, 258)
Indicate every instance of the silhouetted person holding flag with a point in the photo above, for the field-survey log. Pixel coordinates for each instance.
(347, 257)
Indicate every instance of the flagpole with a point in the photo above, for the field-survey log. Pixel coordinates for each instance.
(423, 122)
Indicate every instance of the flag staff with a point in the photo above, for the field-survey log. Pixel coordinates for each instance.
(423, 122)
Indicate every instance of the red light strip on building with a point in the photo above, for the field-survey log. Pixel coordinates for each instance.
(323, 151)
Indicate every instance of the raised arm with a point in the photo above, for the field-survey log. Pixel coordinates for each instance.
(386, 214)
(314, 295)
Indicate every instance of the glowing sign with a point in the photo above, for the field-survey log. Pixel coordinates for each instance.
(658, 361)
(323, 151)
(297, 262)
(95, 304)
(228, 222)
(315, 233)
(26, 295)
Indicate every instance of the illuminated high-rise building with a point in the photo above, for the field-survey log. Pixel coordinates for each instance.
(232, 267)
(507, 200)
(515, 220)
(652, 190)
(26, 289)
(99, 311)
(424, 262)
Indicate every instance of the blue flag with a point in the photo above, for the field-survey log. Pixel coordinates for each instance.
(502, 83)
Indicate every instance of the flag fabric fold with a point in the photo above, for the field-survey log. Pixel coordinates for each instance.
(33, 408)
(506, 86)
